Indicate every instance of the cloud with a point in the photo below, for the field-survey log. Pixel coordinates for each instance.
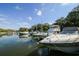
(39, 12)
(35, 10)
(29, 18)
(64, 4)
(2, 15)
(18, 8)
(4, 21)
(23, 24)
(50, 23)
(52, 10)
(43, 4)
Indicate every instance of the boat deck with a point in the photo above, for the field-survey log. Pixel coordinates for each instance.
(64, 41)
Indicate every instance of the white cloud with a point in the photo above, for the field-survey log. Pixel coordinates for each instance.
(50, 23)
(2, 15)
(64, 4)
(4, 21)
(39, 12)
(35, 10)
(29, 18)
(23, 24)
(43, 4)
(18, 8)
(52, 10)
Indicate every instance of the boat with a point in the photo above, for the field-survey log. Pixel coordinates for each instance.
(66, 41)
(54, 29)
(23, 34)
(39, 35)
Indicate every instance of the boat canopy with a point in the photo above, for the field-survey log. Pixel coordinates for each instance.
(71, 29)
(54, 28)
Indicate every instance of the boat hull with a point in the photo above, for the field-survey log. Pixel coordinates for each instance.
(67, 49)
(23, 35)
(64, 47)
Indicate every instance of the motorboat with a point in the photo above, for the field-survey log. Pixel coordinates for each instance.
(39, 35)
(23, 34)
(67, 40)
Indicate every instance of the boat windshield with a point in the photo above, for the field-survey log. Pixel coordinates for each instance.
(69, 32)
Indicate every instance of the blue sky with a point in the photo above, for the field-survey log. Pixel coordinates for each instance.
(16, 15)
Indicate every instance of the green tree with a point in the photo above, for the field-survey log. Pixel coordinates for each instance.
(46, 27)
(23, 29)
(60, 21)
(40, 27)
(72, 19)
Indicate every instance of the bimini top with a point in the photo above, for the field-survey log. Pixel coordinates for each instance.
(54, 28)
(71, 29)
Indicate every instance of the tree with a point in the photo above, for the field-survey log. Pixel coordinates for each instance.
(23, 29)
(46, 27)
(72, 18)
(60, 21)
(40, 27)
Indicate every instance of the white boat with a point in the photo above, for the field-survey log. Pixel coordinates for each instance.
(54, 29)
(39, 34)
(23, 34)
(66, 41)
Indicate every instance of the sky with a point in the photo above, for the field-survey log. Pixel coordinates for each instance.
(16, 15)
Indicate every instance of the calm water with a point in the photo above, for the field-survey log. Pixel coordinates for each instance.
(16, 46)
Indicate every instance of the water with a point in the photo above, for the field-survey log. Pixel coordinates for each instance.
(16, 46)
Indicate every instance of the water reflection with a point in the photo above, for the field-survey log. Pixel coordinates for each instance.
(43, 51)
(18, 45)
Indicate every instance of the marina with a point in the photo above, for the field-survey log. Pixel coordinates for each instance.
(37, 30)
(15, 45)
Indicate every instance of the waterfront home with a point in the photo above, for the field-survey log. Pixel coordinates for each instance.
(54, 29)
(66, 41)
